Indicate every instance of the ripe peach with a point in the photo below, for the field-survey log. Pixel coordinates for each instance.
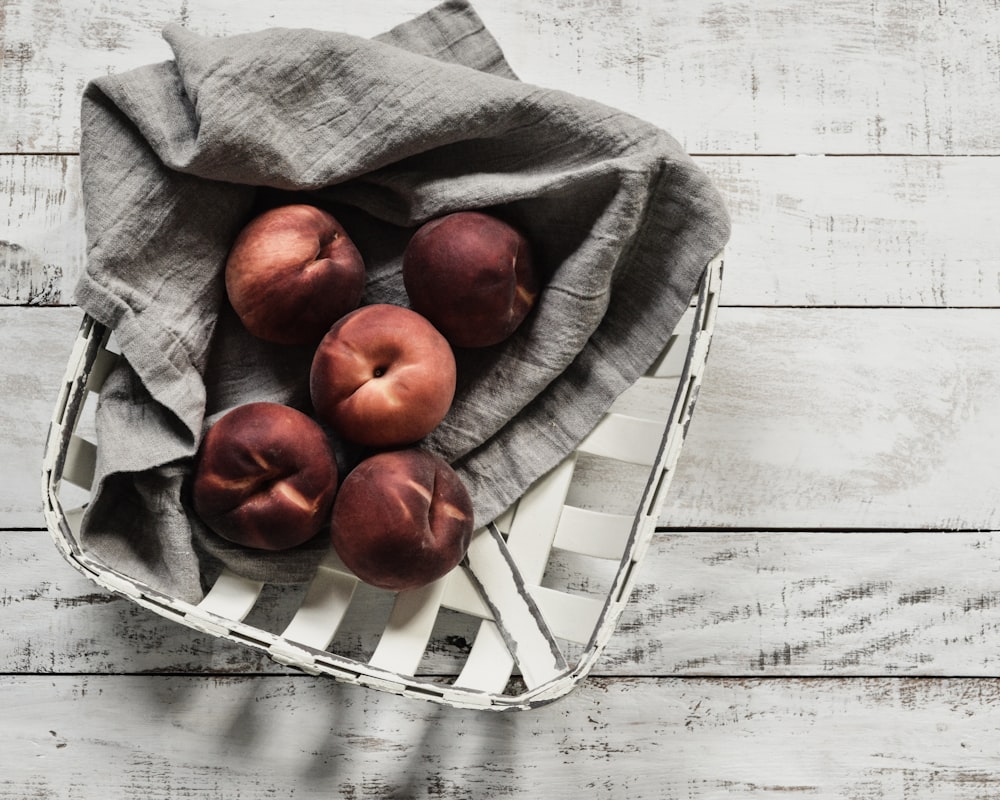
(292, 272)
(265, 477)
(382, 376)
(402, 519)
(472, 275)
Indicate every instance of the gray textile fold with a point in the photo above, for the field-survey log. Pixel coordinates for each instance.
(385, 133)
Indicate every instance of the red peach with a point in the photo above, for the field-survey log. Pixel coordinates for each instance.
(383, 376)
(292, 272)
(265, 477)
(402, 519)
(472, 275)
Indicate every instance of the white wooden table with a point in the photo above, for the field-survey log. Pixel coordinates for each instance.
(820, 615)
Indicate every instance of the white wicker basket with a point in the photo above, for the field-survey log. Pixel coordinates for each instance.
(525, 624)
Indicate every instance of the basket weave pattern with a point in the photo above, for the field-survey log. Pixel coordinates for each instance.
(526, 625)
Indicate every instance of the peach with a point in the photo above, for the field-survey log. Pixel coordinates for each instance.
(402, 519)
(292, 272)
(383, 376)
(472, 275)
(265, 477)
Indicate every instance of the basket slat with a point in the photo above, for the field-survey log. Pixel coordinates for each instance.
(74, 518)
(670, 362)
(461, 594)
(523, 627)
(593, 533)
(625, 438)
(81, 462)
(323, 609)
(409, 628)
(532, 529)
(570, 616)
(480, 671)
(536, 518)
(231, 596)
(104, 362)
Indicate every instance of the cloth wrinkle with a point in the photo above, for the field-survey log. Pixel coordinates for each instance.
(385, 133)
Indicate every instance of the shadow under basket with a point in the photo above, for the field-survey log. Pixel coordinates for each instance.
(525, 617)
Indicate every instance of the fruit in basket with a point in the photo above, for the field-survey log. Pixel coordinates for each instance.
(292, 272)
(472, 275)
(402, 519)
(383, 376)
(265, 477)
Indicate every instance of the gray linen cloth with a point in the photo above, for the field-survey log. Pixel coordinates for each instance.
(385, 133)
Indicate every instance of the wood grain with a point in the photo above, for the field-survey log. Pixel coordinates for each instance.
(41, 229)
(862, 231)
(639, 739)
(36, 346)
(808, 418)
(811, 621)
(861, 77)
(720, 604)
(806, 231)
(838, 419)
(814, 603)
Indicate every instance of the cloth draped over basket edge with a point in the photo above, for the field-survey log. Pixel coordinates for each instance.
(386, 133)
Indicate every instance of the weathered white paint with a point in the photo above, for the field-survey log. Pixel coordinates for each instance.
(839, 419)
(823, 603)
(808, 418)
(165, 738)
(857, 76)
(860, 231)
(41, 229)
(806, 231)
(741, 77)
(813, 420)
(845, 418)
(829, 604)
(36, 347)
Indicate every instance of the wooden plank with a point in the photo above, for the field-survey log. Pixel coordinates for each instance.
(41, 229)
(36, 347)
(165, 738)
(814, 603)
(783, 77)
(61, 622)
(860, 231)
(837, 419)
(808, 418)
(51, 51)
(777, 77)
(806, 231)
(705, 604)
(844, 418)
